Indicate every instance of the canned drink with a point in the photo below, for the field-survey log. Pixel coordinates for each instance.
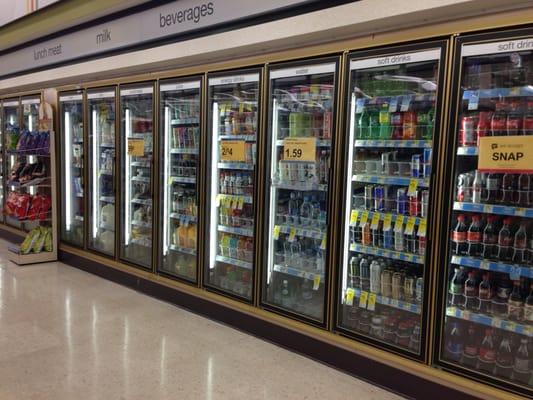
(424, 204)
(464, 187)
(415, 166)
(397, 285)
(467, 133)
(409, 288)
(379, 198)
(388, 241)
(426, 162)
(419, 289)
(414, 204)
(401, 201)
(368, 197)
(422, 245)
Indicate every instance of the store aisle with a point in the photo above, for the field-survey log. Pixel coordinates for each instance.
(67, 334)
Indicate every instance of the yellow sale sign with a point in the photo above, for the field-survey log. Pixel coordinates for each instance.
(136, 147)
(506, 154)
(299, 149)
(233, 150)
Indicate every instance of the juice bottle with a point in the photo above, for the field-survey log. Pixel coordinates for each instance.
(367, 235)
(191, 236)
(409, 125)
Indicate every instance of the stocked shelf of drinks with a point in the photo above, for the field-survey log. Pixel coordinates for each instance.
(383, 300)
(400, 143)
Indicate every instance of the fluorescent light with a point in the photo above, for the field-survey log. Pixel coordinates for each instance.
(95, 169)
(30, 122)
(214, 187)
(127, 181)
(166, 200)
(272, 216)
(68, 166)
(11, 120)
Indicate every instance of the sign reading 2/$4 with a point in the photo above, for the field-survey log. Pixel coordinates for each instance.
(506, 154)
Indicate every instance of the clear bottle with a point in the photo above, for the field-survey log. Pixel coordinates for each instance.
(477, 187)
(504, 359)
(456, 290)
(305, 211)
(515, 304)
(362, 125)
(364, 267)
(487, 354)
(471, 292)
(375, 277)
(485, 294)
(293, 209)
(522, 363)
(520, 245)
(286, 295)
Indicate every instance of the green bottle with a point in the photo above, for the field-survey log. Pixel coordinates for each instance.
(428, 134)
(373, 124)
(384, 122)
(361, 131)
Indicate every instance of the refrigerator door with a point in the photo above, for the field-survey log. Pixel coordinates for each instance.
(136, 105)
(102, 176)
(233, 129)
(180, 105)
(487, 310)
(10, 137)
(393, 103)
(301, 115)
(72, 176)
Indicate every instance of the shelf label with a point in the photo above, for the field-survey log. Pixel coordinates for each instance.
(515, 273)
(233, 150)
(299, 149)
(234, 202)
(363, 299)
(136, 147)
(353, 217)
(393, 106)
(364, 218)
(473, 100)
(323, 243)
(241, 202)
(316, 282)
(276, 232)
(413, 184)
(398, 226)
(506, 154)
(410, 226)
(350, 293)
(360, 105)
(292, 235)
(422, 228)
(406, 102)
(371, 302)
(387, 222)
(375, 221)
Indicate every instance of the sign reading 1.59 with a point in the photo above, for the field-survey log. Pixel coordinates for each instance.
(299, 149)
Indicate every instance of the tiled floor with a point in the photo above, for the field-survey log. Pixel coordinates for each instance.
(66, 334)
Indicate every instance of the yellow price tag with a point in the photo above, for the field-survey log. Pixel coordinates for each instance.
(241, 202)
(276, 232)
(410, 226)
(398, 226)
(316, 282)
(363, 299)
(350, 294)
(299, 149)
(323, 243)
(234, 202)
(413, 183)
(227, 201)
(353, 217)
(371, 302)
(241, 107)
(233, 150)
(292, 234)
(387, 221)
(364, 218)
(375, 221)
(217, 200)
(422, 227)
(136, 147)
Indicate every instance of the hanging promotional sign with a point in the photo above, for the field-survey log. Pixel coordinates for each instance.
(506, 154)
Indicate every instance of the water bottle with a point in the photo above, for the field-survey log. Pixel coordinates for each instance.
(375, 277)
(293, 209)
(365, 274)
(315, 210)
(305, 211)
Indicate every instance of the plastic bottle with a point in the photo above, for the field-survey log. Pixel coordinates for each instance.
(521, 365)
(485, 294)
(362, 126)
(459, 234)
(364, 267)
(524, 190)
(493, 186)
(286, 296)
(490, 239)
(375, 277)
(477, 187)
(471, 292)
(366, 234)
(409, 125)
(373, 124)
(505, 241)
(528, 306)
(293, 209)
(509, 188)
(520, 245)
(487, 355)
(474, 237)
(515, 304)
(428, 132)
(399, 239)
(471, 348)
(305, 211)
(355, 273)
(498, 123)
(384, 122)
(514, 120)
(457, 289)
(454, 343)
(504, 359)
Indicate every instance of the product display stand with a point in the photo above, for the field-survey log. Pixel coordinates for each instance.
(40, 244)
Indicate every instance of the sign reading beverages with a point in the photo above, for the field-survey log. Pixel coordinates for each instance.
(506, 154)
(136, 147)
(299, 149)
(233, 150)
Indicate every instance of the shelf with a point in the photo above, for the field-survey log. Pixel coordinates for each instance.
(108, 199)
(29, 184)
(390, 180)
(402, 305)
(301, 186)
(299, 231)
(494, 322)
(319, 142)
(108, 145)
(519, 91)
(396, 255)
(107, 173)
(107, 227)
(236, 231)
(79, 166)
(78, 218)
(182, 179)
(245, 166)
(235, 197)
(247, 138)
(515, 270)
(378, 100)
(183, 217)
(493, 209)
(299, 273)
(144, 179)
(184, 123)
(234, 261)
(145, 202)
(27, 153)
(467, 151)
(141, 224)
(139, 135)
(181, 249)
(418, 144)
(143, 164)
(145, 242)
(382, 216)
(184, 150)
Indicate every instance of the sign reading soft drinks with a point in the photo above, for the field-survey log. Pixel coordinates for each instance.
(506, 154)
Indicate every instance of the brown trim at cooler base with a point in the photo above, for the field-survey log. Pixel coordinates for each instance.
(401, 382)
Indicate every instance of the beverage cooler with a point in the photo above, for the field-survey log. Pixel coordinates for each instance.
(486, 322)
(9, 139)
(299, 151)
(136, 155)
(72, 181)
(394, 102)
(180, 107)
(101, 170)
(233, 111)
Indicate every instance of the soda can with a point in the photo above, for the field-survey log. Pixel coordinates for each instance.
(419, 290)
(426, 162)
(415, 166)
(401, 201)
(368, 197)
(424, 204)
(379, 198)
(464, 187)
(414, 204)
(467, 133)
(409, 288)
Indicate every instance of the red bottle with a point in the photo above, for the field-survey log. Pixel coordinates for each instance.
(414, 204)
(459, 233)
(498, 123)
(487, 355)
(474, 236)
(471, 348)
(483, 124)
(409, 125)
(514, 120)
(527, 123)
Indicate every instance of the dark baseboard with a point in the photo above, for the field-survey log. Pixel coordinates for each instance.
(10, 236)
(390, 378)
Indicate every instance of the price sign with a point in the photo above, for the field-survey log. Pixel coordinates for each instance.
(371, 302)
(136, 147)
(233, 150)
(473, 101)
(316, 282)
(422, 228)
(276, 232)
(363, 299)
(375, 221)
(387, 221)
(350, 294)
(353, 217)
(502, 154)
(515, 273)
(292, 235)
(364, 218)
(410, 226)
(413, 183)
(299, 149)
(323, 243)
(398, 226)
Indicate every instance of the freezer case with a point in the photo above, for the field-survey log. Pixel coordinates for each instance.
(72, 164)
(10, 136)
(394, 99)
(233, 133)
(487, 282)
(300, 142)
(136, 240)
(101, 115)
(180, 107)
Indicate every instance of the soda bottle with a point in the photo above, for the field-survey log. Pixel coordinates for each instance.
(483, 124)
(464, 188)
(524, 190)
(286, 296)
(498, 123)
(365, 274)
(515, 304)
(485, 295)
(454, 343)
(504, 360)
(527, 123)
(428, 131)
(355, 273)
(520, 245)
(521, 366)
(509, 187)
(305, 211)
(493, 186)
(396, 120)
(377, 236)
(471, 292)
(528, 306)
(362, 123)
(409, 125)
(421, 124)
(459, 234)
(477, 187)
(471, 348)
(373, 124)
(487, 355)
(384, 122)
(457, 288)
(490, 239)
(505, 241)
(366, 234)
(473, 237)
(514, 120)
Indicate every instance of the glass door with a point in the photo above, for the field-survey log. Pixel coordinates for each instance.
(102, 176)
(301, 128)
(10, 137)
(72, 177)
(180, 105)
(233, 129)
(136, 104)
(393, 103)
(488, 283)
